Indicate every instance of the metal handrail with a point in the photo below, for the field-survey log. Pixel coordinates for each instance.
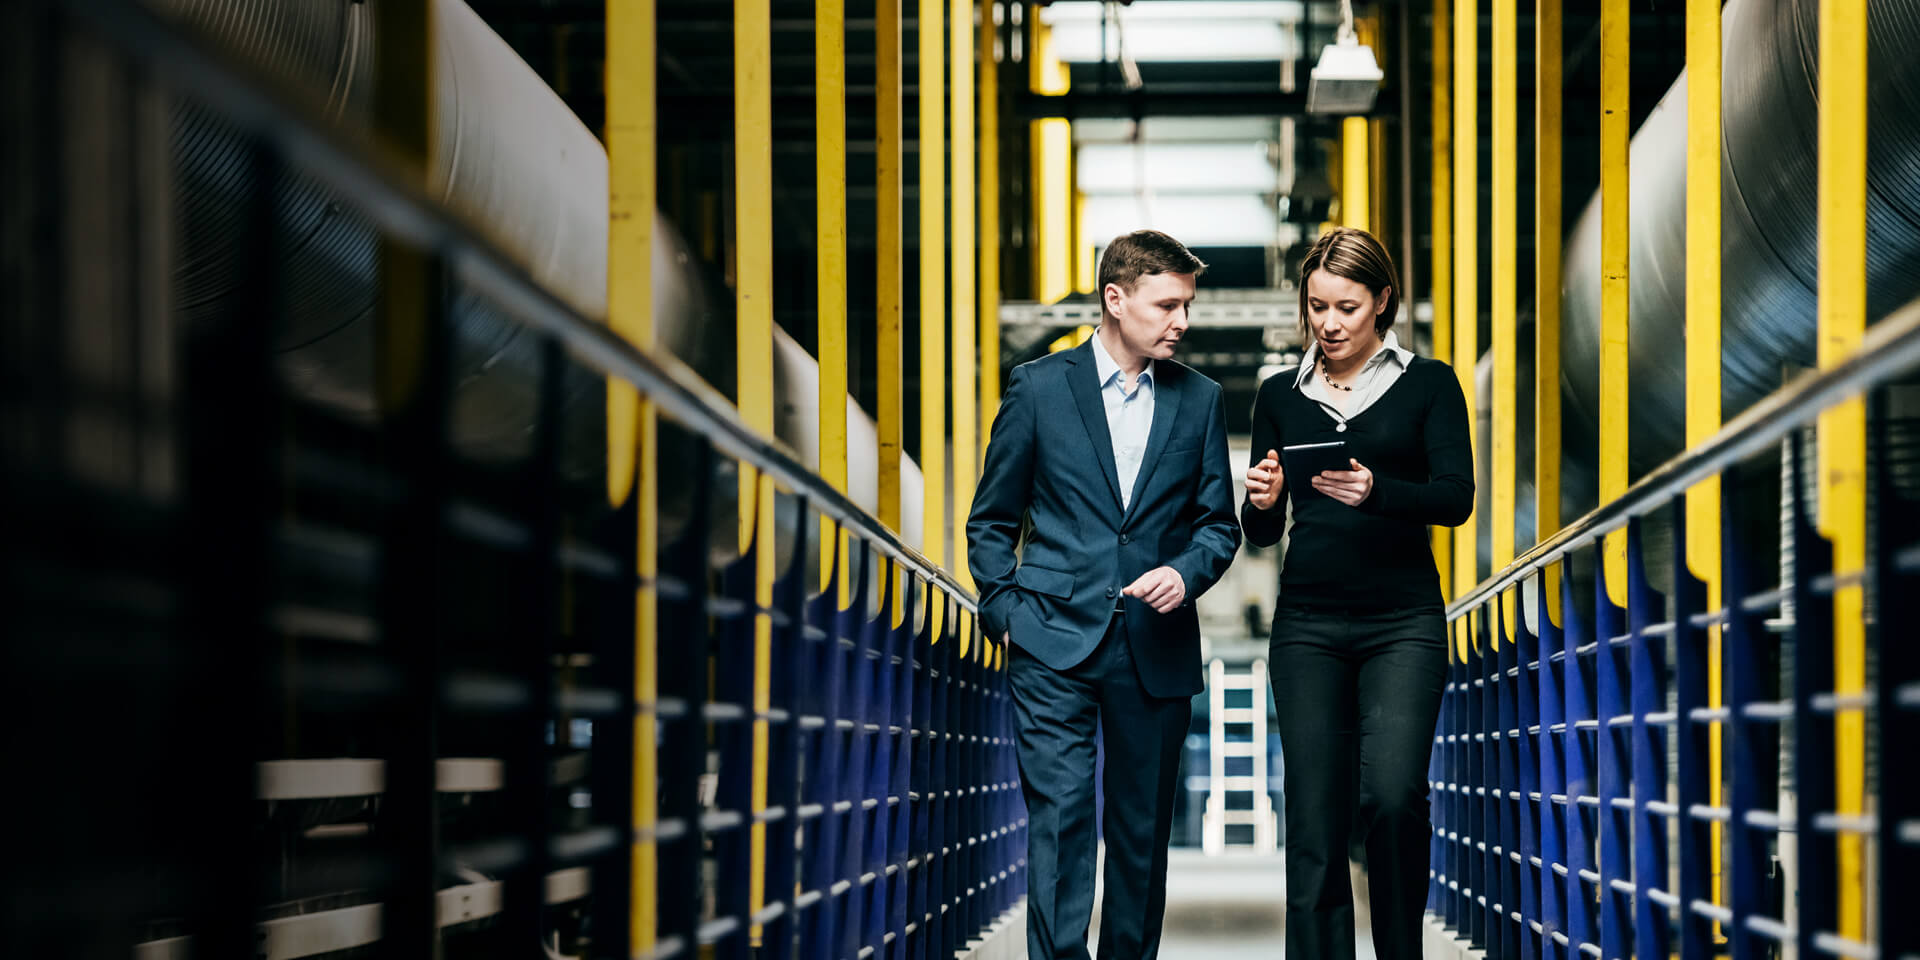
(355, 166)
(1890, 347)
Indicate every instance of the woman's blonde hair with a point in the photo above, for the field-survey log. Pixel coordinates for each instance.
(1355, 255)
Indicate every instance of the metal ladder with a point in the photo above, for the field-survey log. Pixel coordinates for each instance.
(1260, 815)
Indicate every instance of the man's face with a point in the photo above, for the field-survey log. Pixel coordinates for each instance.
(1152, 317)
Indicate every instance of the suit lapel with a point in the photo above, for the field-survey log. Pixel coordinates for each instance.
(1083, 381)
(1166, 409)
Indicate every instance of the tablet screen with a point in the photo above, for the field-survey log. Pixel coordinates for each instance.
(1305, 461)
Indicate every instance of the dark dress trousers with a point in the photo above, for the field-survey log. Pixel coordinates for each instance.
(1051, 547)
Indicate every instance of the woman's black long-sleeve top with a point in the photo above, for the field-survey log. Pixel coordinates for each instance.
(1416, 441)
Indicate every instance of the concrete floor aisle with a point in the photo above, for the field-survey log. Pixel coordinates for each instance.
(1234, 908)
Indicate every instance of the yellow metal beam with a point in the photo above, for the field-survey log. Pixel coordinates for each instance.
(1085, 271)
(1051, 143)
(753, 237)
(403, 117)
(1372, 169)
(890, 268)
(1615, 21)
(631, 199)
(1546, 337)
(1843, 428)
(1377, 178)
(753, 229)
(1354, 175)
(965, 399)
(1703, 345)
(1079, 245)
(1466, 269)
(890, 265)
(632, 440)
(830, 218)
(1070, 339)
(933, 275)
(1440, 293)
(1506, 270)
(989, 224)
(1046, 75)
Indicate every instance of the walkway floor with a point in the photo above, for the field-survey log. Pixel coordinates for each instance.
(1233, 908)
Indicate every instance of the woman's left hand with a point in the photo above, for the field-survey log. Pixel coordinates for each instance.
(1351, 487)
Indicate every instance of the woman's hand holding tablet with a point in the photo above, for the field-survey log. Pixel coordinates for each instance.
(1332, 472)
(1309, 460)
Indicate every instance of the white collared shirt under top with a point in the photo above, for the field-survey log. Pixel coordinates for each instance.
(1370, 383)
(1129, 415)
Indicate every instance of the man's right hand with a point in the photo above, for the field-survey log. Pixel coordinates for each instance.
(1264, 480)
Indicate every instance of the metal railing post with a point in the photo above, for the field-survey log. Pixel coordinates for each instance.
(1650, 743)
(1694, 691)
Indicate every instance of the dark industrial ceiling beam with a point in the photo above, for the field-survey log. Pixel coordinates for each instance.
(1121, 105)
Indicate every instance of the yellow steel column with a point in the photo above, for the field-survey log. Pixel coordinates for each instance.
(631, 424)
(1052, 190)
(1085, 270)
(1615, 20)
(1466, 264)
(830, 208)
(890, 266)
(1546, 336)
(933, 275)
(1843, 428)
(408, 279)
(1377, 182)
(1440, 288)
(753, 230)
(631, 192)
(1506, 268)
(965, 400)
(1703, 343)
(404, 121)
(1372, 157)
(989, 224)
(1052, 140)
(1353, 174)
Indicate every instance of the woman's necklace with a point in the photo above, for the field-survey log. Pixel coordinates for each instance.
(1327, 375)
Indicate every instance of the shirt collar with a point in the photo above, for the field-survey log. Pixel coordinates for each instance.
(1390, 350)
(1106, 368)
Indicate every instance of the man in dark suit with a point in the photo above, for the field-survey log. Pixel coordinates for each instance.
(1111, 459)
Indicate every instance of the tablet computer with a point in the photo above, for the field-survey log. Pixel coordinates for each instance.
(1304, 461)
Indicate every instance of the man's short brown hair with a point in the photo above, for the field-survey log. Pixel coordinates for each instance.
(1134, 255)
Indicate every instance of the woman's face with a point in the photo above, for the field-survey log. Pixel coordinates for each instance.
(1342, 315)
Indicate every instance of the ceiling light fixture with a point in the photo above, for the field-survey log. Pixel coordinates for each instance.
(1347, 76)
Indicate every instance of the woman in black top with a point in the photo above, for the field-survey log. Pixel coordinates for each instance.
(1358, 651)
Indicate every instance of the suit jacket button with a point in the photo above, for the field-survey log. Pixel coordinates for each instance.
(1110, 592)
(1124, 539)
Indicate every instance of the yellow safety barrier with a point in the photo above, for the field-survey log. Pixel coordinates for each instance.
(1843, 429)
(1440, 294)
(1615, 23)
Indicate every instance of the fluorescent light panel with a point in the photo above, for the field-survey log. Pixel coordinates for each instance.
(1177, 129)
(1176, 167)
(1203, 41)
(1186, 31)
(1215, 220)
(1088, 11)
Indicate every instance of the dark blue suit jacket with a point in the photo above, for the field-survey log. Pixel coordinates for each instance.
(1049, 474)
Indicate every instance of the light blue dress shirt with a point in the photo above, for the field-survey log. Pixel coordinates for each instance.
(1129, 416)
